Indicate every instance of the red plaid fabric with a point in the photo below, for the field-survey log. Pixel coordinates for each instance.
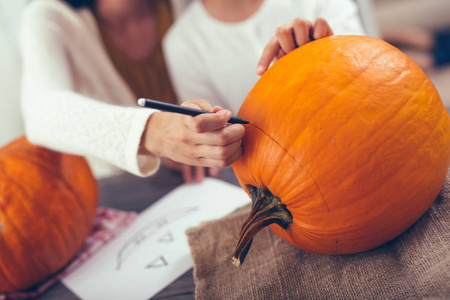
(108, 222)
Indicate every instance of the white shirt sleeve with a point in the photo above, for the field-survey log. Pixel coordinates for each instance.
(58, 118)
(188, 71)
(342, 16)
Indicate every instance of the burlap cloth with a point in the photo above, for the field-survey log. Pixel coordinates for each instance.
(415, 265)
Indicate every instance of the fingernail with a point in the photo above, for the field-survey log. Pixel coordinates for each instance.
(259, 70)
(225, 112)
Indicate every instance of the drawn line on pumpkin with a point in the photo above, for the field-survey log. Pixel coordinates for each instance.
(307, 172)
(372, 60)
(148, 231)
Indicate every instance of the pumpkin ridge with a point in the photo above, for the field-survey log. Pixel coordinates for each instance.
(55, 173)
(398, 170)
(427, 138)
(43, 227)
(396, 113)
(384, 124)
(2, 265)
(309, 174)
(37, 261)
(77, 200)
(355, 112)
(23, 240)
(350, 83)
(57, 232)
(83, 208)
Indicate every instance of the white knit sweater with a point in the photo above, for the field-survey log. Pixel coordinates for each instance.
(73, 98)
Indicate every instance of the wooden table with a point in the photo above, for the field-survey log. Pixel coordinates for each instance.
(131, 193)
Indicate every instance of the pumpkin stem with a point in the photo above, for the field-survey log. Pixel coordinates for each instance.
(266, 209)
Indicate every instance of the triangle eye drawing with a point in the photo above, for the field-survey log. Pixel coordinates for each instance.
(158, 262)
(166, 238)
(151, 229)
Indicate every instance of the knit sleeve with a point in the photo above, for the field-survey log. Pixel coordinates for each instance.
(58, 118)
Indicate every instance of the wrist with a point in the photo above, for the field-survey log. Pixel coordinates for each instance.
(149, 142)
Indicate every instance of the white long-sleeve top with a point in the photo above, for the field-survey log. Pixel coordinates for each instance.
(73, 99)
(214, 60)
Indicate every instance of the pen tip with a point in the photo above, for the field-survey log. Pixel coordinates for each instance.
(141, 102)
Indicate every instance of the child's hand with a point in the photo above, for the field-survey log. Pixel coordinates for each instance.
(291, 36)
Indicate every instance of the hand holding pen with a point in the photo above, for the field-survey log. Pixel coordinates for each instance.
(182, 109)
(205, 140)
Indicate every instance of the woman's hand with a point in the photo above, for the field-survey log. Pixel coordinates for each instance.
(291, 36)
(206, 140)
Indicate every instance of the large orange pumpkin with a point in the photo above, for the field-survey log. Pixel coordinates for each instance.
(48, 202)
(348, 145)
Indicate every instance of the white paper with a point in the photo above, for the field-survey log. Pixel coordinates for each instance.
(153, 251)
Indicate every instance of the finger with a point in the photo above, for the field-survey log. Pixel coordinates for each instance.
(210, 162)
(213, 172)
(226, 162)
(285, 38)
(220, 153)
(301, 29)
(208, 122)
(199, 173)
(268, 55)
(223, 137)
(186, 170)
(216, 109)
(198, 104)
(280, 54)
(321, 29)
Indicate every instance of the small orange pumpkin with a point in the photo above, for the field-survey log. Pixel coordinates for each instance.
(48, 202)
(348, 145)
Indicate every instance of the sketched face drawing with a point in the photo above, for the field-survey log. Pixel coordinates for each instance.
(157, 230)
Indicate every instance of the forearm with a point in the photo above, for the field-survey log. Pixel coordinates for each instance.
(72, 123)
(64, 100)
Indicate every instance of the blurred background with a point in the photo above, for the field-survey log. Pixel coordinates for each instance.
(413, 18)
(11, 124)
(406, 22)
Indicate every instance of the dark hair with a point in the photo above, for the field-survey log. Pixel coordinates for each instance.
(80, 3)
